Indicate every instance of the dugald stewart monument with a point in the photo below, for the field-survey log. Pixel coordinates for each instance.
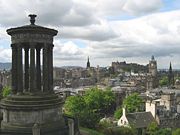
(33, 107)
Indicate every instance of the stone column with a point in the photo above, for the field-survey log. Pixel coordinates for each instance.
(32, 69)
(50, 68)
(36, 129)
(20, 70)
(38, 68)
(45, 68)
(14, 69)
(26, 68)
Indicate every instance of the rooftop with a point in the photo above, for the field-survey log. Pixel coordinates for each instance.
(140, 119)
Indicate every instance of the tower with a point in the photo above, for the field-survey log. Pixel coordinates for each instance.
(152, 79)
(170, 76)
(88, 63)
(33, 103)
(153, 67)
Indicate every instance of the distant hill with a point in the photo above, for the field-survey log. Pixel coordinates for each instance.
(70, 67)
(6, 66)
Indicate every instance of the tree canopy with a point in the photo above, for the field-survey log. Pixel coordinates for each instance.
(91, 107)
(163, 81)
(153, 129)
(176, 132)
(133, 103)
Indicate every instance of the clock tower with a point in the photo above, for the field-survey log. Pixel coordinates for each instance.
(153, 67)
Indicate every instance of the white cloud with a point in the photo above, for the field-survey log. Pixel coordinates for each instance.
(49, 12)
(133, 7)
(67, 51)
(5, 55)
(105, 40)
(155, 34)
(98, 32)
(140, 7)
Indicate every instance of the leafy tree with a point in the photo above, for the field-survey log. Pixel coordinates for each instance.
(74, 105)
(118, 113)
(99, 100)
(176, 132)
(91, 107)
(133, 103)
(152, 128)
(6, 91)
(163, 81)
(163, 131)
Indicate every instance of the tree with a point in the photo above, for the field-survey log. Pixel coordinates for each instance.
(163, 131)
(91, 107)
(118, 113)
(133, 103)
(74, 105)
(176, 132)
(6, 91)
(163, 81)
(152, 128)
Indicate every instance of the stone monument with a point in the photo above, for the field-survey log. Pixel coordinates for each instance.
(33, 100)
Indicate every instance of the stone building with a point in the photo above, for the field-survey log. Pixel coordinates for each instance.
(164, 110)
(138, 120)
(123, 66)
(33, 107)
(5, 78)
(177, 84)
(68, 74)
(120, 94)
(76, 73)
(58, 73)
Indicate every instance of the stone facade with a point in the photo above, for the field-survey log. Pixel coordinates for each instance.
(5, 78)
(165, 110)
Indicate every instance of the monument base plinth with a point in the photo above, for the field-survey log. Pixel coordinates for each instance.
(25, 114)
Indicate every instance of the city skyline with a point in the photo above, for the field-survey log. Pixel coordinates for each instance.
(104, 30)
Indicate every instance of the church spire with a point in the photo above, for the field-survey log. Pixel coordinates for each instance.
(170, 76)
(170, 67)
(152, 58)
(88, 63)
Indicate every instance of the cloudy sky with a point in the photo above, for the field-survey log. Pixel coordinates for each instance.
(104, 30)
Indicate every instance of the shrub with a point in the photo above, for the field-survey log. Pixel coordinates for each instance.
(6, 91)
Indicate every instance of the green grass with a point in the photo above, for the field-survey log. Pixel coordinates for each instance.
(88, 131)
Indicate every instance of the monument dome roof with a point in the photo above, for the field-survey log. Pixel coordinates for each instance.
(32, 28)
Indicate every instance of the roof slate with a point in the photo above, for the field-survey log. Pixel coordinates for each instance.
(140, 119)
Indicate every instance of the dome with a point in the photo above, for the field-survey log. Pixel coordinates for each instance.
(177, 82)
